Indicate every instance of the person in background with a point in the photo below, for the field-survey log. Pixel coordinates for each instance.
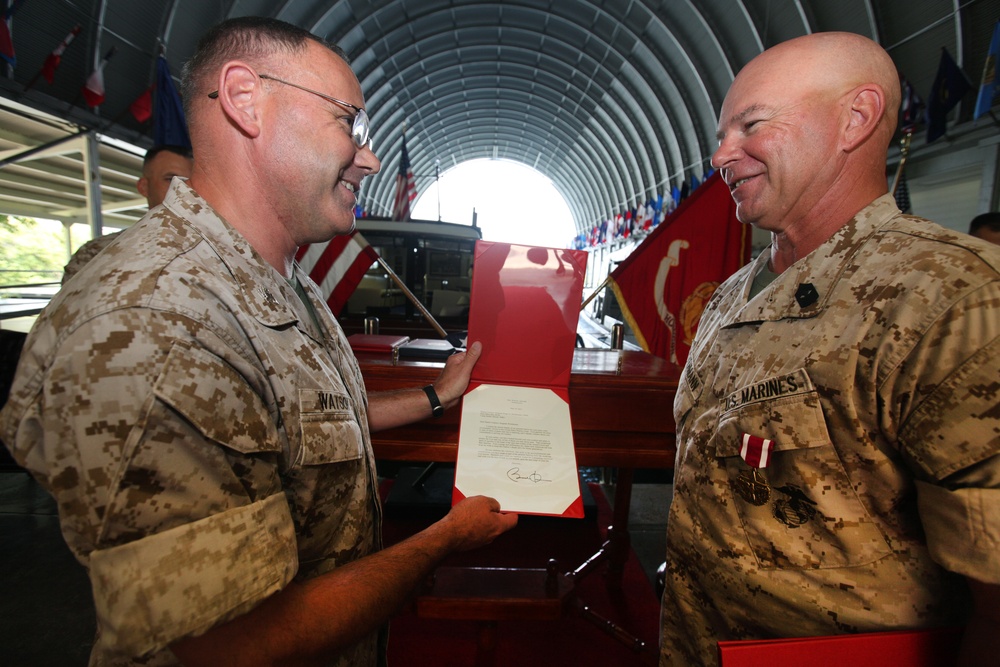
(986, 226)
(195, 409)
(838, 419)
(159, 167)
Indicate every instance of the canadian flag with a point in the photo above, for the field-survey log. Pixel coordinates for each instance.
(337, 266)
(53, 59)
(93, 90)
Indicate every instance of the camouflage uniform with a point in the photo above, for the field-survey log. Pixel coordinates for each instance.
(879, 388)
(85, 253)
(205, 443)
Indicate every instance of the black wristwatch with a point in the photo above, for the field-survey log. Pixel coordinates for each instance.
(436, 408)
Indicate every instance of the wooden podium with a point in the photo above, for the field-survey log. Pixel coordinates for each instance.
(621, 407)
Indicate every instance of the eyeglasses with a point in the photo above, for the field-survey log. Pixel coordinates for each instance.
(361, 127)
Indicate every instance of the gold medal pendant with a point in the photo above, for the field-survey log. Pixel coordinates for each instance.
(752, 487)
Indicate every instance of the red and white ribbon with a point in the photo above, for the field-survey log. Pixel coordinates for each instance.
(756, 451)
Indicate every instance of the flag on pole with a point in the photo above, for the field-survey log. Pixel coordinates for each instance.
(406, 187)
(988, 89)
(54, 58)
(142, 107)
(664, 285)
(169, 124)
(6, 42)
(910, 108)
(950, 85)
(337, 266)
(93, 90)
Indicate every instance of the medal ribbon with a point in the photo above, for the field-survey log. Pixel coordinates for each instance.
(756, 451)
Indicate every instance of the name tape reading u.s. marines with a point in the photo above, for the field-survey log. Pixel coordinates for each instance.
(776, 387)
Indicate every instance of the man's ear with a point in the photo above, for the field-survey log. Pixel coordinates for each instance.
(865, 111)
(142, 185)
(239, 95)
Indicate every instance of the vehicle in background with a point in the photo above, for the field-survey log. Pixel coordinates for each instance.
(433, 259)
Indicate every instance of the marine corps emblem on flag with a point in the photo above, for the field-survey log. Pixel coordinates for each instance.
(665, 284)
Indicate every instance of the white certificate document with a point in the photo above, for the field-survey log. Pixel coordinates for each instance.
(515, 444)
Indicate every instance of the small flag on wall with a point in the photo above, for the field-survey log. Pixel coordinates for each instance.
(93, 90)
(53, 59)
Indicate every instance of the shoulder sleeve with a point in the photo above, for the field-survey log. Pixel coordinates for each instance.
(955, 391)
(159, 446)
(953, 438)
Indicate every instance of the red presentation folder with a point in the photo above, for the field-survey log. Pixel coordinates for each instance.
(936, 647)
(524, 309)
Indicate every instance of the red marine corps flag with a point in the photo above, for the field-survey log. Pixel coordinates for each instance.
(663, 286)
(337, 266)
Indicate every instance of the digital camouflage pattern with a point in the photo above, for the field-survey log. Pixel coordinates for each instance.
(205, 442)
(881, 393)
(85, 253)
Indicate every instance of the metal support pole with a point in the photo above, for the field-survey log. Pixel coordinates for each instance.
(92, 185)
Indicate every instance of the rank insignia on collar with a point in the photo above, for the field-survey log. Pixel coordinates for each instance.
(266, 293)
(806, 295)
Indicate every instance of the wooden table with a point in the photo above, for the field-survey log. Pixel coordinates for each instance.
(621, 407)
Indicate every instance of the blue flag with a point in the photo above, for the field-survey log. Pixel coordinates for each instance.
(169, 126)
(950, 85)
(988, 88)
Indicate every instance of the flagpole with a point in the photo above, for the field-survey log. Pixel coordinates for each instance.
(595, 292)
(904, 150)
(412, 297)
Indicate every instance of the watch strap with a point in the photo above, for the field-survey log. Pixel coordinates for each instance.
(436, 408)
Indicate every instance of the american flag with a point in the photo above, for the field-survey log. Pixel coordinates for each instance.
(406, 188)
(911, 109)
(337, 266)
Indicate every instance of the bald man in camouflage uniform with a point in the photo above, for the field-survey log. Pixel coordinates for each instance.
(195, 409)
(839, 415)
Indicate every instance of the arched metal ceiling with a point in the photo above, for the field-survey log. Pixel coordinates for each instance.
(613, 100)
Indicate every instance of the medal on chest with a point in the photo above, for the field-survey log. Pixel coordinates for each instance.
(750, 484)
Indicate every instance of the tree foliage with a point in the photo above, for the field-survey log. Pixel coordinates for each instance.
(31, 251)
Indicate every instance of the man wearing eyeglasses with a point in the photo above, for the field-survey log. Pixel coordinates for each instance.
(196, 410)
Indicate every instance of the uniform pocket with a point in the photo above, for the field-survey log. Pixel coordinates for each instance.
(813, 517)
(330, 431)
(217, 400)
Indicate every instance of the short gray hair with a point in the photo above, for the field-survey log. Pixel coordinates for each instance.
(244, 38)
